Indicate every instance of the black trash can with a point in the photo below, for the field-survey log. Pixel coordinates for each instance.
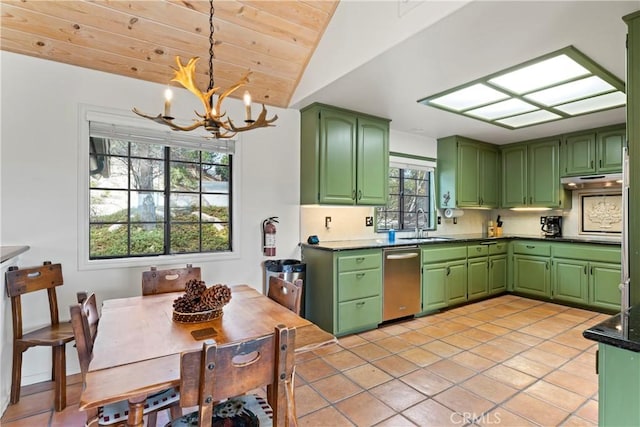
(290, 270)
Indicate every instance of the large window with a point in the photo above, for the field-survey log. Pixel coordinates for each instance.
(148, 199)
(410, 204)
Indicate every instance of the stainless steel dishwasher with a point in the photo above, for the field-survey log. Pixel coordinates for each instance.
(401, 286)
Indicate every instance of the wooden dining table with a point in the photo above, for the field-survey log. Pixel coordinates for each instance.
(137, 349)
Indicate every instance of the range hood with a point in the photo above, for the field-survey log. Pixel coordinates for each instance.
(610, 180)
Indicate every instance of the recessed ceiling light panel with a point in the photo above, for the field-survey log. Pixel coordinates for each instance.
(510, 107)
(542, 74)
(571, 91)
(558, 85)
(469, 97)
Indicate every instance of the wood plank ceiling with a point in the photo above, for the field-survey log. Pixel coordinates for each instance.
(140, 39)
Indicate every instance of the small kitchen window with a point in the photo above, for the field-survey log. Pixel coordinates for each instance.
(411, 188)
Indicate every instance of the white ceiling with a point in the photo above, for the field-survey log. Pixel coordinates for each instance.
(477, 39)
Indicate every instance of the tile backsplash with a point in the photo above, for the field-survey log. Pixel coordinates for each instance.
(348, 222)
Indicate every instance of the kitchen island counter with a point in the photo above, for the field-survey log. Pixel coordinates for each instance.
(621, 331)
(383, 242)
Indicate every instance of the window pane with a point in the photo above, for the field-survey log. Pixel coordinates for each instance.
(148, 151)
(117, 147)
(215, 237)
(213, 213)
(108, 240)
(409, 190)
(108, 205)
(185, 177)
(147, 206)
(147, 239)
(109, 172)
(184, 207)
(147, 174)
(185, 154)
(185, 238)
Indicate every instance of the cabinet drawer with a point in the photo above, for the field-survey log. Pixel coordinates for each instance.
(477, 250)
(587, 253)
(532, 248)
(358, 314)
(359, 284)
(359, 261)
(441, 253)
(498, 248)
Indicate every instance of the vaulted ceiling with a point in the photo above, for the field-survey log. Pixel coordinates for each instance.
(140, 39)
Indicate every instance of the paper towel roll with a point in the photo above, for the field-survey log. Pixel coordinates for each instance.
(453, 213)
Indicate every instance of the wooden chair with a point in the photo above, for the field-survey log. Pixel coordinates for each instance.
(285, 293)
(56, 335)
(157, 281)
(85, 320)
(216, 373)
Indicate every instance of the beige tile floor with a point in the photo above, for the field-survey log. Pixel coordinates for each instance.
(507, 361)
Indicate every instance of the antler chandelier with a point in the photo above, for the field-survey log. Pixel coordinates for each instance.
(213, 119)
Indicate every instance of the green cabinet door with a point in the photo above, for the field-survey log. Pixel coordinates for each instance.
(477, 277)
(489, 193)
(604, 291)
(514, 176)
(497, 273)
(456, 277)
(570, 280)
(544, 174)
(468, 175)
(372, 162)
(618, 386)
(337, 157)
(579, 154)
(434, 291)
(610, 145)
(531, 275)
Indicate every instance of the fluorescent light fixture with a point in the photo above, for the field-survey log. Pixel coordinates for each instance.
(555, 86)
(469, 97)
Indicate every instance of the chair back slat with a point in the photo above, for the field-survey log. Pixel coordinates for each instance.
(25, 280)
(156, 281)
(84, 321)
(238, 368)
(288, 294)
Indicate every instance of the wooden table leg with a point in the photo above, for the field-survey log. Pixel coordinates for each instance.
(136, 409)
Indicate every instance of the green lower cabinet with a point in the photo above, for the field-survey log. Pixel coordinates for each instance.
(443, 284)
(604, 290)
(618, 387)
(456, 282)
(531, 275)
(434, 286)
(478, 278)
(497, 274)
(570, 281)
(359, 314)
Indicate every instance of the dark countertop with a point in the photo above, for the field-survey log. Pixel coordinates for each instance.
(8, 252)
(383, 242)
(618, 331)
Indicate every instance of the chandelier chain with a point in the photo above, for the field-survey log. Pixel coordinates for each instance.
(211, 42)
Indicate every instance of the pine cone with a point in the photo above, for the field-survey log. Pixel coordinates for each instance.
(194, 287)
(186, 304)
(216, 296)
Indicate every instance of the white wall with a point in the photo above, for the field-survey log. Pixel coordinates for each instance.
(39, 178)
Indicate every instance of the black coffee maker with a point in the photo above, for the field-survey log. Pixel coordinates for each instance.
(551, 226)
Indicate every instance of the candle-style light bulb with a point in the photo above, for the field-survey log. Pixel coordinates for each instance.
(168, 95)
(247, 106)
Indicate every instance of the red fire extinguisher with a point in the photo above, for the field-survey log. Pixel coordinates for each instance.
(269, 236)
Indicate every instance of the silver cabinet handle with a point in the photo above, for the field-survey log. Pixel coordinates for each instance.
(360, 275)
(403, 256)
(360, 304)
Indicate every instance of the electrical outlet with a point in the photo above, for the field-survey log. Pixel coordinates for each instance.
(543, 219)
(368, 221)
(439, 220)
(327, 221)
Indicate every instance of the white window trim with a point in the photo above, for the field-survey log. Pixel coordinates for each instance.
(124, 118)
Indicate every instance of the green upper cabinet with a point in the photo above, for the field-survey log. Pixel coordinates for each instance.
(344, 157)
(594, 151)
(467, 173)
(531, 176)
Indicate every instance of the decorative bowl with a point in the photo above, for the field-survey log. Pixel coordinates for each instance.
(198, 316)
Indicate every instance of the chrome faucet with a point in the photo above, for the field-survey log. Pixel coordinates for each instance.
(419, 230)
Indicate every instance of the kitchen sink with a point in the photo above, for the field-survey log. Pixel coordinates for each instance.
(426, 239)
